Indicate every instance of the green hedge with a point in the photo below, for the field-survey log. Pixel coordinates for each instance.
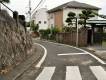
(49, 33)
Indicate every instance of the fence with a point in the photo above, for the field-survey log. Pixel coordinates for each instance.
(70, 37)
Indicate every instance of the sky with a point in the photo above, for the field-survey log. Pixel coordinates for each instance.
(22, 5)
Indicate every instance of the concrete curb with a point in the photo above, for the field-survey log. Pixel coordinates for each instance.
(43, 58)
(36, 60)
(93, 52)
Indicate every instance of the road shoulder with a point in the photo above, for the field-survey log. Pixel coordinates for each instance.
(99, 53)
(21, 68)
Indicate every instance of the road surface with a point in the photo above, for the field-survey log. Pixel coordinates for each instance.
(63, 62)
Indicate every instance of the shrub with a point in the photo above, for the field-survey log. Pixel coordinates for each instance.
(45, 33)
(69, 29)
(49, 33)
(55, 30)
(34, 27)
(27, 24)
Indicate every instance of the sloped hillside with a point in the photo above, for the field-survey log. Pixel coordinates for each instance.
(14, 41)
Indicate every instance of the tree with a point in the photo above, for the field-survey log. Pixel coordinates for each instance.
(84, 16)
(5, 1)
(71, 16)
(34, 27)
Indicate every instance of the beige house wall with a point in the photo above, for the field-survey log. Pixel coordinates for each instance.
(58, 19)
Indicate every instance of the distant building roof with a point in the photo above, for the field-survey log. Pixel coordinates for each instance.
(74, 4)
(103, 16)
(96, 21)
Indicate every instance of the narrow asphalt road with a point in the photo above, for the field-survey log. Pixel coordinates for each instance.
(63, 62)
(68, 63)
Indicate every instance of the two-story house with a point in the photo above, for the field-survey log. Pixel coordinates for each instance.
(41, 17)
(58, 15)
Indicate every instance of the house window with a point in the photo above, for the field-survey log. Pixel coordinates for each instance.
(45, 22)
(39, 22)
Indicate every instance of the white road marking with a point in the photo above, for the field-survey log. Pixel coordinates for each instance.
(44, 56)
(73, 73)
(98, 59)
(70, 54)
(46, 74)
(99, 72)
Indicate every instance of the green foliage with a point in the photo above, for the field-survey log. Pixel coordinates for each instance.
(22, 17)
(5, 1)
(81, 22)
(71, 16)
(34, 27)
(49, 33)
(15, 15)
(69, 29)
(69, 21)
(54, 30)
(66, 29)
(85, 15)
(44, 33)
(27, 24)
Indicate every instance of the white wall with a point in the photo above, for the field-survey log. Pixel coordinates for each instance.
(51, 20)
(76, 11)
(41, 15)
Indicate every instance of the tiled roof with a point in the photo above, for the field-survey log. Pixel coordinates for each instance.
(74, 4)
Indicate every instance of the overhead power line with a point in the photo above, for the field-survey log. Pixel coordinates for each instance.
(37, 5)
(6, 6)
(30, 11)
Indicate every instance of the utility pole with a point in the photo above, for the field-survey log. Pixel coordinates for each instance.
(77, 36)
(77, 32)
(0, 6)
(29, 12)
